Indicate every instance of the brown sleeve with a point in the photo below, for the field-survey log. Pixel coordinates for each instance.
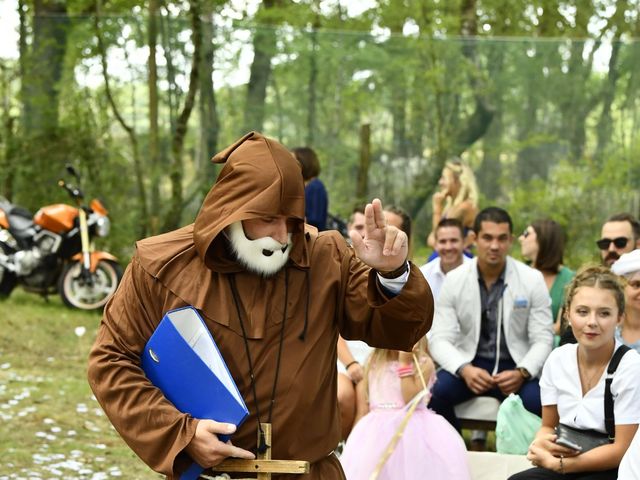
(154, 429)
(394, 322)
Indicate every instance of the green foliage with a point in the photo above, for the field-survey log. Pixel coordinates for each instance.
(580, 198)
(504, 84)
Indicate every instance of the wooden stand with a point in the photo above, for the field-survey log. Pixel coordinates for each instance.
(264, 466)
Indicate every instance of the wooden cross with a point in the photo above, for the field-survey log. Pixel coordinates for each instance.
(264, 466)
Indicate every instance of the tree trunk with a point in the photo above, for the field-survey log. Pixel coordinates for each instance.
(490, 171)
(167, 36)
(7, 135)
(154, 150)
(173, 217)
(313, 76)
(362, 185)
(609, 88)
(209, 121)
(264, 47)
(477, 124)
(44, 67)
(143, 226)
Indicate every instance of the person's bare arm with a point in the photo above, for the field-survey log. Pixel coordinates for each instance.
(604, 457)
(354, 370)
(362, 402)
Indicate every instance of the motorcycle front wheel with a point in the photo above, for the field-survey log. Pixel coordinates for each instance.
(92, 293)
(8, 279)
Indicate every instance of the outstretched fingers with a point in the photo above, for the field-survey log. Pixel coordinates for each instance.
(394, 241)
(374, 219)
(237, 452)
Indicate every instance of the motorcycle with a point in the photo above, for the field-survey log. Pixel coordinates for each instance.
(52, 251)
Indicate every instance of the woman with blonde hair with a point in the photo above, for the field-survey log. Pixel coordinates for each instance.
(456, 198)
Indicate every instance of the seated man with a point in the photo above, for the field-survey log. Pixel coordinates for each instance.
(492, 328)
(449, 237)
(620, 234)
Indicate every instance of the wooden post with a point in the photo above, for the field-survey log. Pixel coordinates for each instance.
(362, 185)
(266, 427)
(263, 466)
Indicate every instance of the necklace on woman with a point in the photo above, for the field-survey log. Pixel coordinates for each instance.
(586, 380)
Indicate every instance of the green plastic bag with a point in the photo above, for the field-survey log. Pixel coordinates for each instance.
(515, 426)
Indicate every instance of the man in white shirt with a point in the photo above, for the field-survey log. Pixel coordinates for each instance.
(492, 329)
(449, 237)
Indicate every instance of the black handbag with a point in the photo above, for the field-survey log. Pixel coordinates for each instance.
(585, 440)
(580, 440)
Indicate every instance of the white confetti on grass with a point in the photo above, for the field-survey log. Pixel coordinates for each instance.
(82, 408)
(27, 411)
(5, 366)
(115, 472)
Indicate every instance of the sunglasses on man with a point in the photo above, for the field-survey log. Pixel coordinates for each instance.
(619, 242)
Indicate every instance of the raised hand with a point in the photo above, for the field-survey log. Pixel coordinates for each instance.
(384, 247)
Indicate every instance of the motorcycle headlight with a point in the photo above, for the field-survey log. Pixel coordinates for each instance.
(103, 226)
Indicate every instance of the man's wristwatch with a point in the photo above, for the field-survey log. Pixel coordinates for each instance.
(395, 273)
(524, 372)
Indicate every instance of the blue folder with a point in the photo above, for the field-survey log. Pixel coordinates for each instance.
(182, 359)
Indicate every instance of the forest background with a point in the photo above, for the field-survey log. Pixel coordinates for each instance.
(540, 97)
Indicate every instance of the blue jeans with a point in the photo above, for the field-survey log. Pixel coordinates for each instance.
(451, 390)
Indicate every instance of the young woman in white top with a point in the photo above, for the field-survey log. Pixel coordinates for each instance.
(573, 380)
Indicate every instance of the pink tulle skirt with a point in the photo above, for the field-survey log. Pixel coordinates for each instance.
(430, 448)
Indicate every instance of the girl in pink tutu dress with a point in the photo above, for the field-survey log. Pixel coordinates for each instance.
(426, 445)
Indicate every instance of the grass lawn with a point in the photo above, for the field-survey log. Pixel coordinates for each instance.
(50, 424)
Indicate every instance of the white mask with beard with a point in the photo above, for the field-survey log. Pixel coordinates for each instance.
(265, 256)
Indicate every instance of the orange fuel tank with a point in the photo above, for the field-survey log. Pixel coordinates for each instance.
(4, 221)
(57, 218)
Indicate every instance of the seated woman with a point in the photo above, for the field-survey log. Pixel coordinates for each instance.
(628, 265)
(572, 386)
(457, 198)
(542, 243)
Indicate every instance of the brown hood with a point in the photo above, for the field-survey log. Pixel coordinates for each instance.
(260, 178)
